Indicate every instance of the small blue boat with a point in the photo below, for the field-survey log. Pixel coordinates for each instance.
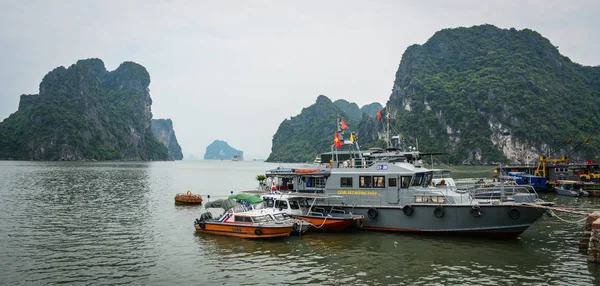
(570, 189)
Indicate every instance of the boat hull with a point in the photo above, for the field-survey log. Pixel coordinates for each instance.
(507, 220)
(243, 231)
(328, 223)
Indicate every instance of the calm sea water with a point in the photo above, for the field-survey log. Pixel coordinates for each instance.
(116, 223)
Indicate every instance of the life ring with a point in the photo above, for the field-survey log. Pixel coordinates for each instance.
(439, 212)
(189, 193)
(372, 213)
(514, 213)
(258, 231)
(475, 211)
(202, 225)
(408, 210)
(359, 223)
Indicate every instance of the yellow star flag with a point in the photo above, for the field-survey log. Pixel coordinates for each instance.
(351, 137)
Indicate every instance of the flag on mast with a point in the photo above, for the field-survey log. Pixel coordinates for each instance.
(336, 140)
(378, 114)
(351, 137)
(343, 124)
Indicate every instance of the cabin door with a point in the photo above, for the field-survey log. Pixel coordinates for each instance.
(393, 190)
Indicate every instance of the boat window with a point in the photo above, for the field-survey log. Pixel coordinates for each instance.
(269, 203)
(427, 180)
(378, 181)
(304, 203)
(392, 182)
(365, 181)
(239, 218)
(281, 204)
(316, 182)
(294, 205)
(346, 182)
(418, 179)
(406, 181)
(281, 216)
(262, 218)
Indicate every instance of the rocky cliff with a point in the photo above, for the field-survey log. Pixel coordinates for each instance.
(302, 137)
(164, 133)
(487, 94)
(480, 94)
(84, 112)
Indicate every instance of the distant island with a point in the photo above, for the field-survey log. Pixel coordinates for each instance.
(85, 112)
(220, 150)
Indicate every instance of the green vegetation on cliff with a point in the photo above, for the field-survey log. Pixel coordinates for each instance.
(84, 112)
(481, 94)
(350, 108)
(502, 93)
(302, 137)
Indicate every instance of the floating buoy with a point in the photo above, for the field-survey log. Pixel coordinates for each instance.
(188, 198)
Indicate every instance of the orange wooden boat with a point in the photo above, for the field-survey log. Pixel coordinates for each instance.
(243, 223)
(188, 198)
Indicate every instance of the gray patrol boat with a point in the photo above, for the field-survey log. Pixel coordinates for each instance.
(394, 193)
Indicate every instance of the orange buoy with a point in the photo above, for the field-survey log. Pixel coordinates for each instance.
(188, 198)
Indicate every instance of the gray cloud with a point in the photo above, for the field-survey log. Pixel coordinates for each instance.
(233, 70)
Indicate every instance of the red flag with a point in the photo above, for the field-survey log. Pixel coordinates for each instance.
(378, 114)
(336, 140)
(343, 124)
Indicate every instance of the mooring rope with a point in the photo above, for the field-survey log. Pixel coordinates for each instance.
(567, 221)
(328, 216)
(554, 208)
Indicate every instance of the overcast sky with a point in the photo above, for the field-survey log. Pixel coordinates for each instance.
(234, 70)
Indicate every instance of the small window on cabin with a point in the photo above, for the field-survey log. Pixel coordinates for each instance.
(269, 203)
(262, 218)
(304, 203)
(346, 182)
(427, 180)
(418, 179)
(378, 181)
(281, 204)
(294, 205)
(243, 218)
(392, 182)
(365, 181)
(406, 181)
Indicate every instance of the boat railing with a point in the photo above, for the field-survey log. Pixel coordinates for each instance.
(498, 191)
(316, 213)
